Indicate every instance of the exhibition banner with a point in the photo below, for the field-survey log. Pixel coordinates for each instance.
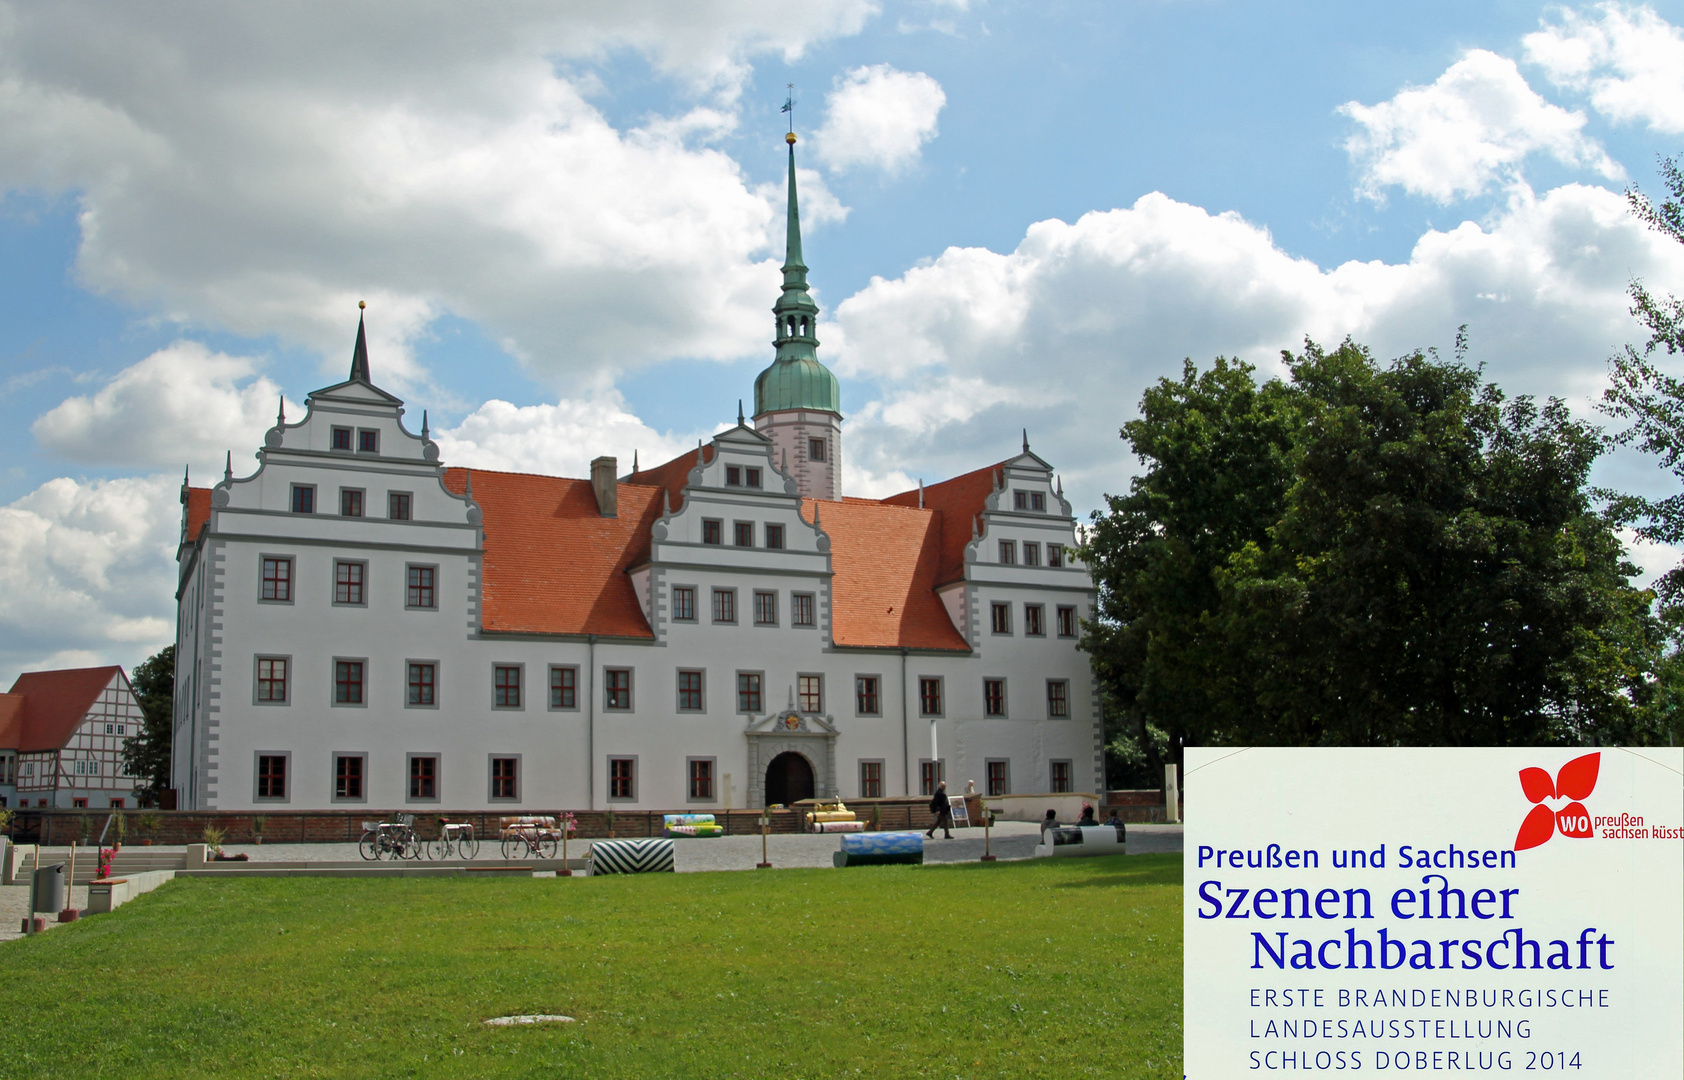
(1434, 911)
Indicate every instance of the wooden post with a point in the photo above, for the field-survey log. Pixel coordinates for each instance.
(566, 871)
(765, 859)
(987, 825)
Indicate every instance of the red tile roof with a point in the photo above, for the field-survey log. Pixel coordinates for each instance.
(959, 501)
(553, 563)
(198, 512)
(884, 561)
(54, 704)
(673, 475)
(11, 720)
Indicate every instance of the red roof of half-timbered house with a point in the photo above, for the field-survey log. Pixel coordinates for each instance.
(50, 706)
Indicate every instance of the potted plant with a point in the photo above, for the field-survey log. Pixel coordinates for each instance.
(257, 823)
(106, 857)
(122, 823)
(148, 824)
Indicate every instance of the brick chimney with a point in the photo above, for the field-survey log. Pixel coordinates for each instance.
(606, 484)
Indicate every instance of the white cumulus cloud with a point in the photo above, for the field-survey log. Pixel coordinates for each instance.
(878, 117)
(260, 171)
(1468, 131)
(557, 440)
(183, 404)
(1063, 333)
(1628, 59)
(87, 572)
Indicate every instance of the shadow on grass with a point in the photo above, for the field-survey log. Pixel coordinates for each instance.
(1113, 871)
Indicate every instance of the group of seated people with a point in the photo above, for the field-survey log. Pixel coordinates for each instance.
(1088, 818)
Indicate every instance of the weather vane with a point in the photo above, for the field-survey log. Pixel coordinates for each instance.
(789, 107)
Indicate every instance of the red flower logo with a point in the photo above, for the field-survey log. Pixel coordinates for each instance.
(1575, 781)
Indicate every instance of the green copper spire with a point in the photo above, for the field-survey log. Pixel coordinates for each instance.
(796, 379)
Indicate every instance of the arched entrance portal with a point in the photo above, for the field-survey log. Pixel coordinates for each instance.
(789, 778)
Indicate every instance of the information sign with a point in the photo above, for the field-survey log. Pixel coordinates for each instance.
(1434, 912)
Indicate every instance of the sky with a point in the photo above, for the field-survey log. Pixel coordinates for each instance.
(566, 220)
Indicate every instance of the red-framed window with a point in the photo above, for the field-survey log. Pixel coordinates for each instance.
(348, 682)
(564, 688)
(271, 679)
(622, 778)
(277, 579)
(505, 682)
(422, 681)
(871, 779)
(701, 778)
(505, 777)
(616, 688)
(348, 582)
(421, 587)
(271, 776)
(929, 697)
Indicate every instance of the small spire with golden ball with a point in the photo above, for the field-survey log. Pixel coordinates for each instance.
(790, 138)
(361, 304)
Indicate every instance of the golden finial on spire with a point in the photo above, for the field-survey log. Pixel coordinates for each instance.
(361, 304)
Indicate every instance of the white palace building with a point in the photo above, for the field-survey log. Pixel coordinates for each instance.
(361, 625)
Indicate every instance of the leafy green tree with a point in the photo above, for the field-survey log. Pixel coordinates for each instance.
(1363, 555)
(1217, 450)
(1641, 391)
(147, 755)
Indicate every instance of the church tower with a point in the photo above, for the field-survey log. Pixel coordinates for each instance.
(797, 401)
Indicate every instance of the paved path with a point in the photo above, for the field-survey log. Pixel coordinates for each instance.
(15, 898)
(1009, 840)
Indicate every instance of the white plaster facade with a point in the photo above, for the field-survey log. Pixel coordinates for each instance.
(224, 729)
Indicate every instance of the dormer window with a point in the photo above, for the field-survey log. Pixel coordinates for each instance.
(368, 441)
(752, 477)
(1030, 500)
(342, 438)
(733, 476)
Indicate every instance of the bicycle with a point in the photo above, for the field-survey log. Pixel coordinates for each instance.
(530, 839)
(394, 839)
(454, 840)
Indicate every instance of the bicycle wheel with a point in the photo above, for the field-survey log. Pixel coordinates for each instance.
(468, 845)
(369, 846)
(546, 846)
(438, 849)
(511, 845)
(412, 846)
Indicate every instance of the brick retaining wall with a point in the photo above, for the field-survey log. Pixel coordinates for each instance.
(346, 826)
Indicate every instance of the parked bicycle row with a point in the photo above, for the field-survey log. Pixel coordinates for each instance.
(534, 837)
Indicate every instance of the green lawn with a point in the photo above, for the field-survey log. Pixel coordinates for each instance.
(1056, 968)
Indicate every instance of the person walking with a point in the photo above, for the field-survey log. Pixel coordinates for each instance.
(943, 811)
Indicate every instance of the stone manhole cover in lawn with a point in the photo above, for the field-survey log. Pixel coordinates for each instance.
(531, 1018)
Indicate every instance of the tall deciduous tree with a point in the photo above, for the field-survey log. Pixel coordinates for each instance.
(1363, 554)
(1642, 392)
(147, 755)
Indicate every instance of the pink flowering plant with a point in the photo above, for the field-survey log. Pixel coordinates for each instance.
(106, 855)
